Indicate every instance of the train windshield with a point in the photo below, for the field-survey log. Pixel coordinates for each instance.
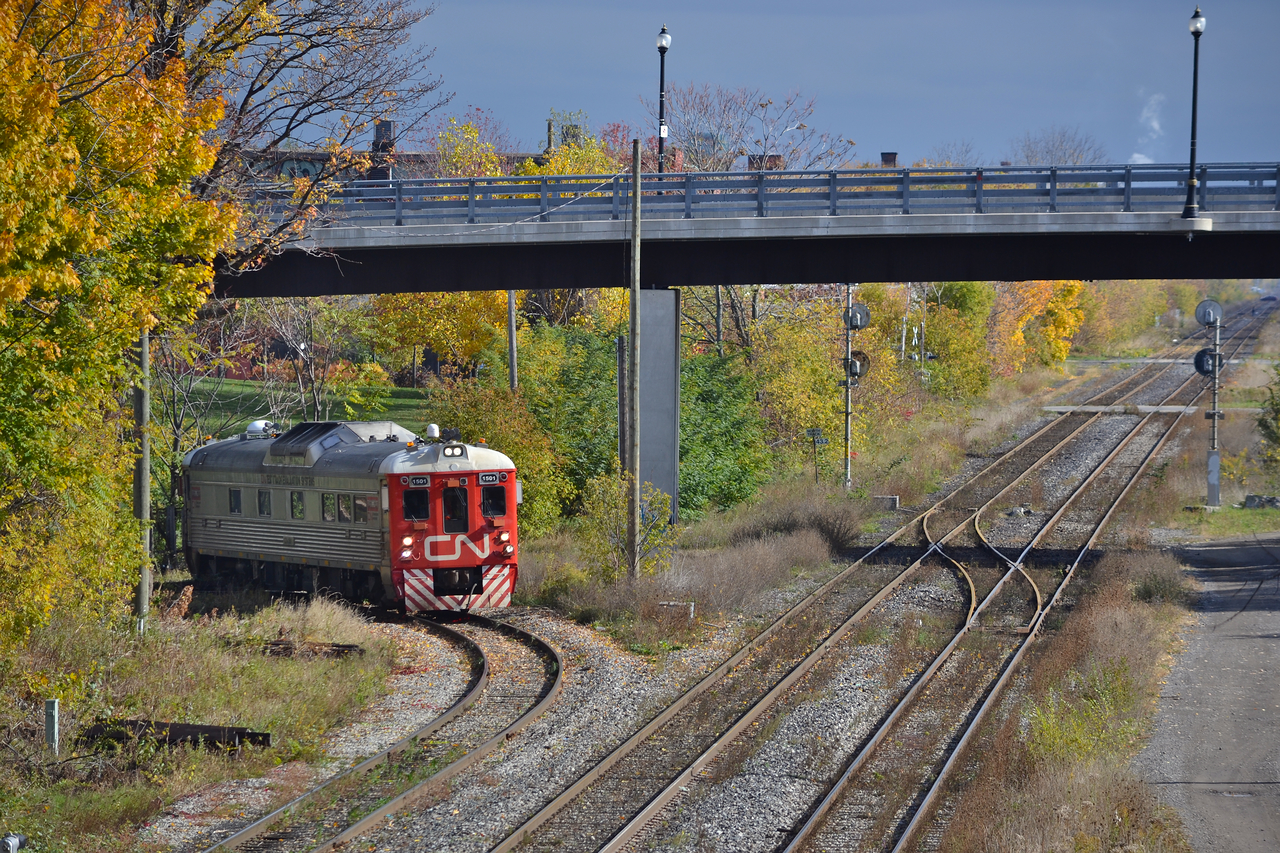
(417, 506)
(455, 509)
(493, 501)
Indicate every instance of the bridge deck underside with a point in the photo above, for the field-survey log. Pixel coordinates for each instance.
(763, 259)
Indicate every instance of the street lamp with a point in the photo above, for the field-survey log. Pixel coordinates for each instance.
(1192, 211)
(664, 42)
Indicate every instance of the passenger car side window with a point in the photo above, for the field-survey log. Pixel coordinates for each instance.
(233, 501)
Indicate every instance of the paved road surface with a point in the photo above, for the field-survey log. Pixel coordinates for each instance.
(1215, 755)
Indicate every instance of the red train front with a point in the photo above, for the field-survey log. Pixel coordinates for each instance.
(453, 527)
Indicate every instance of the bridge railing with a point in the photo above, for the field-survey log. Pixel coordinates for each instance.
(706, 195)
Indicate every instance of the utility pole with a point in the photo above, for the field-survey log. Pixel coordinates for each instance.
(142, 477)
(633, 376)
(511, 338)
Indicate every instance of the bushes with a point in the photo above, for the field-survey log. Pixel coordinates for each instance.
(602, 532)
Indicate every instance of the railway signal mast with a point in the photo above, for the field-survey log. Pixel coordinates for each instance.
(856, 364)
(1208, 362)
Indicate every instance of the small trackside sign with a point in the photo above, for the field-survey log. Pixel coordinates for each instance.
(419, 481)
(486, 479)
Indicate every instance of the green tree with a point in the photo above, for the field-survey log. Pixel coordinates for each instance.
(723, 457)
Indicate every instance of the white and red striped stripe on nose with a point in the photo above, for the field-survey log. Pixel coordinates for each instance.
(497, 583)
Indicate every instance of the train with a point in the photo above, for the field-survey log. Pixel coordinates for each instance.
(365, 509)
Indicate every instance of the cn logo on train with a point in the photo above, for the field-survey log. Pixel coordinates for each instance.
(366, 509)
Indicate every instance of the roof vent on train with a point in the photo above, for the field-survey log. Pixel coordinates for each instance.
(262, 429)
(305, 443)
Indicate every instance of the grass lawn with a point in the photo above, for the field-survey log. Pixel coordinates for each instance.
(242, 401)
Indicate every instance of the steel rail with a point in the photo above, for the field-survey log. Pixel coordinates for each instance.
(837, 790)
(521, 833)
(629, 831)
(924, 808)
(973, 593)
(478, 682)
(549, 694)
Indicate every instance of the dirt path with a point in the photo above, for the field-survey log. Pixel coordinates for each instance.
(1215, 754)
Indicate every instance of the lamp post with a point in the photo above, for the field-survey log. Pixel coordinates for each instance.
(1192, 210)
(664, 42)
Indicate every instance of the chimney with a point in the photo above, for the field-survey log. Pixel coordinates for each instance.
(889, 159)
(384, 136)
(384, 146)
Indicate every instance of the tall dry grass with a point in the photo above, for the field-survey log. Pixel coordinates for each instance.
(205, 670)
(1051, 771)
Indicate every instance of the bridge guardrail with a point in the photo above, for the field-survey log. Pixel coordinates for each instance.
(703, 195)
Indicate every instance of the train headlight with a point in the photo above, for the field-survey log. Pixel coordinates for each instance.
(406, 541)
(504, 536)
(510, 549)
(406, 554)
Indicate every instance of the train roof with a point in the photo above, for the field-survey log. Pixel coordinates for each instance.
(343, 448)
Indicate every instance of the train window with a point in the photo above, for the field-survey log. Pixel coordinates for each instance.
(344, 509)
(455, 509)
(493, 501)
(362, 509)
(233, 501)
(264, 502)
(329, 507)
(297, 505)
(417, 505)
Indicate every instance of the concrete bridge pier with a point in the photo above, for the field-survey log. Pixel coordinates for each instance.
(660, 392)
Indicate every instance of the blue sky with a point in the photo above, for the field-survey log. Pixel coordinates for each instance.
(894, 76)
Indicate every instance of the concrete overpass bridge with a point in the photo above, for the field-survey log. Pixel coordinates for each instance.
(769, 228)
(1008, 223)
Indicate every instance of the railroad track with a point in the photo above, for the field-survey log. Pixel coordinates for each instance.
(609, 806)
(925, 734)
(515, 677)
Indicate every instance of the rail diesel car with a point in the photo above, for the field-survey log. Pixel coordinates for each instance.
(364, 509)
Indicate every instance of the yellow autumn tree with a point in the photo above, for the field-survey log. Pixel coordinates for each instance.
(103, 238)
(455, 326)
(460, 153)
(1050, 334)
(799, 361)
